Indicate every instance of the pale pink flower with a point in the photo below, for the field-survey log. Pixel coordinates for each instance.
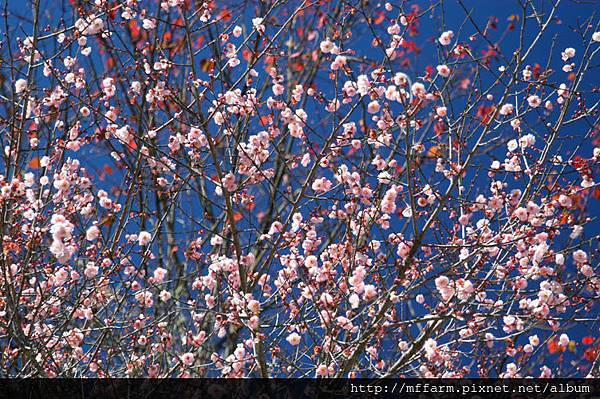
(354, 301)
(148, 24)
(20, 85)
(91, 270)
(339, 62)
(587, 271)
(580, 256)
(442, 282)
(293, 339)
(534, 101)
(278, 89)
(569, 52)
(418, 89)
(144, 238)
(446, 38)
(258, 25)
(159, 274)
(370, 292)
(521, 214)
(322, 370)
(326, 46)
(92, 233)
(563, 340)
(321, 185)
(443, 70)
(373, 107)
(187, 358)
(511, 370)
(254, 306)
(310, 261)
(164, 296)
(506, 109)
(534, 340)
(254, 322)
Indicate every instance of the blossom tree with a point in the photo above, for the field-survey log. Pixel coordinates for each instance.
(330, 188)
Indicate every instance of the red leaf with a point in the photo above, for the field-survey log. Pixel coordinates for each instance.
(590, 354)
(34, 163)
(225, 15)
(134, 28)
(485, 113)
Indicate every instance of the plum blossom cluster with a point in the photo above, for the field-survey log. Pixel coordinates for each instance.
(291, 189)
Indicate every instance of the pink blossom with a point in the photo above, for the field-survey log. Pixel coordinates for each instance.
(254, 306)
(339, 62)
(441, 282)
(534, 340)
(159, 274)
(164, 295)
(580, 256)
(370, 292)
(373, 107)
(521, 214)
(569, 52)
(446, 37)
(564, 340)
(91, 270)
(20, 86)
(534, 101)
(148, 24)
(321, 185)
(310, 261)
(322, 370)
(293, 339)
(92, 233)
(443, 70)
(187, 358)
(565, 201)
(278, 89)
(254, 322)
(506, 109)
(326, 46)
(144, 238)
(258, 25)
(418, 89)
